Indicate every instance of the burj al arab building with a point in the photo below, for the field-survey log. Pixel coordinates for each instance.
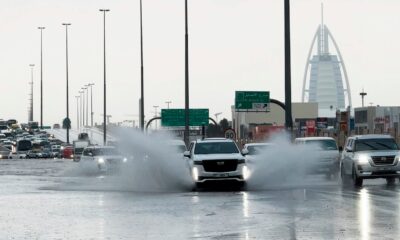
(325, 78)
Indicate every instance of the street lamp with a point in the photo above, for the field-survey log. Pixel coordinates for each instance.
(363, 94)
(105, 101)
(91, 103)
(66, 64)
(168, 103)
(77, 111)
(216, 116)
(41, 75)
(31, 103)
(155, 113)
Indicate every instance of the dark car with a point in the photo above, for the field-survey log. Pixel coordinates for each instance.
(83, 136)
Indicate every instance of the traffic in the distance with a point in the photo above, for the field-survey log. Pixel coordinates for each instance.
(211, 160)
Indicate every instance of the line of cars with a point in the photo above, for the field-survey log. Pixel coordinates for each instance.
(363, 157)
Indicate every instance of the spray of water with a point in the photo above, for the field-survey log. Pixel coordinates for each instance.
(153, 165)
(283, 165)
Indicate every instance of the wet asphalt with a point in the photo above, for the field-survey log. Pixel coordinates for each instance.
(48, 199)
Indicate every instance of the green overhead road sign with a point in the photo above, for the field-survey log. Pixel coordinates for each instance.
(176, 117)
(252, 101)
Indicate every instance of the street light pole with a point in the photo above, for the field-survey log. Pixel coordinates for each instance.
(66, 61)
(363, 94)
(141, 120)
(91, 103)
(155, 112)
(288, 87)
(41, 75)
(105, 100)
(83, 106)
(168, 103)
(77, 111)
(31, 103)
(186, 134)
(87, 104)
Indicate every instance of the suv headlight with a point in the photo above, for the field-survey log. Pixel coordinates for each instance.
(100, 160)
(195, 174)
(245, 172)
(363, 159)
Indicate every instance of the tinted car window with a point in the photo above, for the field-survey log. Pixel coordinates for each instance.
(215, 148)
(104, 152)
(323, 144)
(254, 150)
(375, 144)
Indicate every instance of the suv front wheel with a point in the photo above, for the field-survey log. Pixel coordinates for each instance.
(346, 179)
(358, 182)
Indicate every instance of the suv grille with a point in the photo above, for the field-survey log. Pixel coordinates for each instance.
(220, 165)
(383, 160)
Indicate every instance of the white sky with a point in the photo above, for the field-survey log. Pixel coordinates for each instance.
(234, 45)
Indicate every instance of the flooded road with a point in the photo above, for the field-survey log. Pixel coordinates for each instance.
(48, 199)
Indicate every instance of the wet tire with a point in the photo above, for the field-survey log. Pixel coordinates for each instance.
(357, 181)
(335, 175)
(346, 179)
(198, 186)
(390, 181)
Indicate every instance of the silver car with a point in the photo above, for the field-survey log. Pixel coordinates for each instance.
(326, 152)
(370, 156)
(102, 158)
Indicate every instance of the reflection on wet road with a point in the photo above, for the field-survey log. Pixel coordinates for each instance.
(43, 199)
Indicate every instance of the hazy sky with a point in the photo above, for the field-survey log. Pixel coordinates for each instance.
(234, 45)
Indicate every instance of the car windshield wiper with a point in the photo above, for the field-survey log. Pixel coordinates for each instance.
(369, 145)
(384, 145)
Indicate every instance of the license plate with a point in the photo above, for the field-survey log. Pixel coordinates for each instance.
(221, 175)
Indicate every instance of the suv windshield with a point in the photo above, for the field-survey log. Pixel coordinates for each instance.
(375, 144)
(323, 144)
(215, 148)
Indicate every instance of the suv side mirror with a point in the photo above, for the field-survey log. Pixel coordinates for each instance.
(245, 152)
(186, 154)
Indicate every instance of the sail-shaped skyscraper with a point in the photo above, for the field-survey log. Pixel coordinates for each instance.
(324, 74)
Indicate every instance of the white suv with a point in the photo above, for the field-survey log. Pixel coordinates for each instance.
(370, 156)
(214, 159)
